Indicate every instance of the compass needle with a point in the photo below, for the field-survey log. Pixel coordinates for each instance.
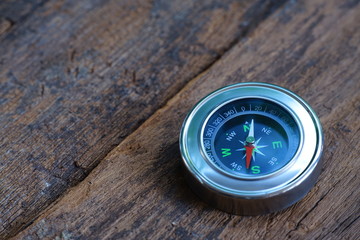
(251, 131)
(246, 145)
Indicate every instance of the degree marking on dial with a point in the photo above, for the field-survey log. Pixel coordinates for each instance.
(212, 126)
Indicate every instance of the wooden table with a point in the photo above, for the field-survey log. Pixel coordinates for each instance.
(93, 95)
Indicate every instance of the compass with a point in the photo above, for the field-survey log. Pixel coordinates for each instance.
(251, 148)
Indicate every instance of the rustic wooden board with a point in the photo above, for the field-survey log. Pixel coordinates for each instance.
(77, 77)
(138, 190)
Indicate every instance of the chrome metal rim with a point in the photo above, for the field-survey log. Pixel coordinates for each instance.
(294, 174)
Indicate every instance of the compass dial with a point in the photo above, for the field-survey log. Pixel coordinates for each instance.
(250, 137)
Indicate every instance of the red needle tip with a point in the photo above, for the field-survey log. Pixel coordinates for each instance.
(249, 150)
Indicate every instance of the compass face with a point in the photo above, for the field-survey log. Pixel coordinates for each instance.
(250, 137)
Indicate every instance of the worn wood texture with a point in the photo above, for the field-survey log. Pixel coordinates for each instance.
(138, 190)
(77, 77)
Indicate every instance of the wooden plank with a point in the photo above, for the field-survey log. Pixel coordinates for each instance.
(77, 77)
(12, 14)
(138, 191)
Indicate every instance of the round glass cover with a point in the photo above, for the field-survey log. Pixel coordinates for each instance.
(250, 137)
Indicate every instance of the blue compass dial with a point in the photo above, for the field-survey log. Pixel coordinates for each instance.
(250, 137)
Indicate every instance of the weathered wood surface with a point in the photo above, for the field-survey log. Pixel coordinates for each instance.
(77, 77)
(138, 190)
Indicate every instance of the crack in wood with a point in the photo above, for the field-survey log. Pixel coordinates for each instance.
(297, 226)
(346, 225)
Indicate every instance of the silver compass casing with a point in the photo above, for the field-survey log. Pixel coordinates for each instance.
(252, 195)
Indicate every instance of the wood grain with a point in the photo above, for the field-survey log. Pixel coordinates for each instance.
(138, 190)
(77, 77)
